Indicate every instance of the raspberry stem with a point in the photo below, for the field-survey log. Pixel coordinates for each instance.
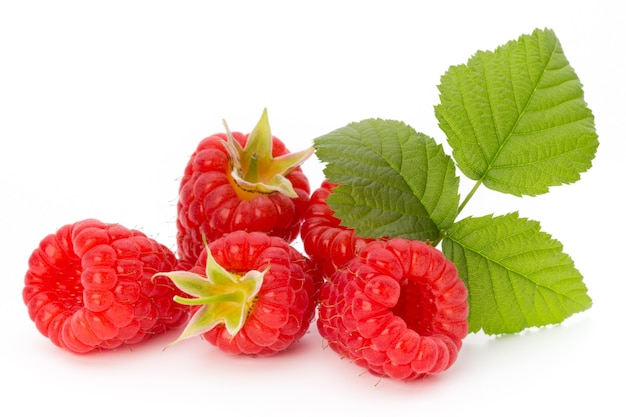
(254, 168)
(234, 297)
(225, 298)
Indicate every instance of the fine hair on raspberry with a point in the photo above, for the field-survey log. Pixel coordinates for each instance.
(399, 309)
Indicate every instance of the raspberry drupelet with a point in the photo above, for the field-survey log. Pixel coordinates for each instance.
(398, 309)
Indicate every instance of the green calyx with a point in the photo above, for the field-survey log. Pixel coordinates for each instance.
(225, 298)
(255, 170)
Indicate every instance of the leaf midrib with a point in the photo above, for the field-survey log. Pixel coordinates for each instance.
(520, 116)
(499, 263)
(392, 166)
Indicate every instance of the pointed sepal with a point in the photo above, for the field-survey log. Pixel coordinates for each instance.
(225, 298)
(255, 170)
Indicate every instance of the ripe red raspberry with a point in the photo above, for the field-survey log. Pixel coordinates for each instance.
(88, 286)
(256, 294)
(240, 182)
(399, 310)
(325, 240)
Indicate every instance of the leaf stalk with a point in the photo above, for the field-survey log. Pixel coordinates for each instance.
(469, 196)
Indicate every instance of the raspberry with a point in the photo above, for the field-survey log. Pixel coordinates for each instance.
(256, 294)
(325, 240)
(88, 286)
(398, 309)
(245, 182)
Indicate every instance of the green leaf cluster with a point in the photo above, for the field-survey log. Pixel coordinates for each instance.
(517, 123)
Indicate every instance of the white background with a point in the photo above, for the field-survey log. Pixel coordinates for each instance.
(101, 105)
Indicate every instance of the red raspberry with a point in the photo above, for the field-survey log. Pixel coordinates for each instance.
(399, 310)
(240, 182)
(88, 286)
(256, 294)
(325, 240)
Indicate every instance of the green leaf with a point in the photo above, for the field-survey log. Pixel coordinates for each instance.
(516, 118)
(518, 276)
(393, 180)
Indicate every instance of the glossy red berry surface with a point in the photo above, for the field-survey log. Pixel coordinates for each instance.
(226, 187)
(89, 287)
(325, 240)
(255, 294)
(398, 309)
